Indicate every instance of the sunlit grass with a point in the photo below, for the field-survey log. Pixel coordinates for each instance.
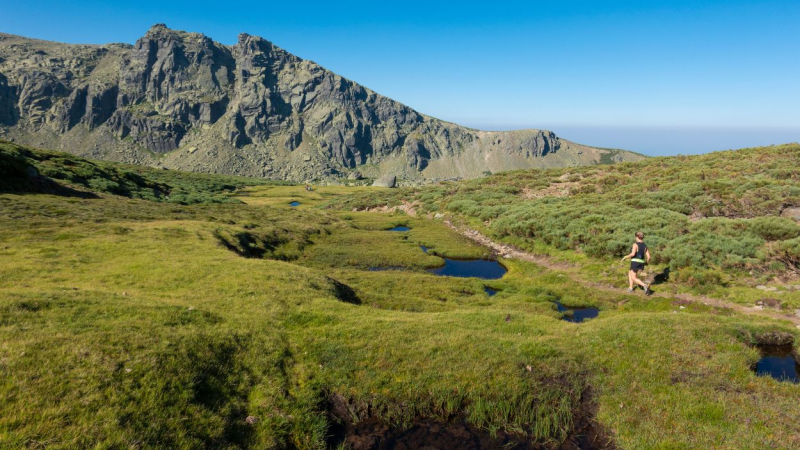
(131, 324)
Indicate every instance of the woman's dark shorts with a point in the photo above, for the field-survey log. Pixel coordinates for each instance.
(636, 266)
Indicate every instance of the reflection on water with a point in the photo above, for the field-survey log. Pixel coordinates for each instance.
(577, 315)
(486, 269)
(778, 362)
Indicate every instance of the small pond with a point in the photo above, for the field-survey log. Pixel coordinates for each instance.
(489, 291)
(777, 361)
(294, 204)
(399, 228)
(577, 315)
(487, 269)
(423, 248)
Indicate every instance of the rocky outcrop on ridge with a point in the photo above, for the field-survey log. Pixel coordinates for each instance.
(181, 100)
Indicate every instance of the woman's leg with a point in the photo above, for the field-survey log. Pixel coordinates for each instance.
(635, 279)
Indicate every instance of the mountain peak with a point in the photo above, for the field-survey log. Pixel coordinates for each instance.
(158, 29)
(181, 100)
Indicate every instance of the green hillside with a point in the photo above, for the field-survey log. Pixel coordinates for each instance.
(716, 220)
(155, 309)
(25, 170)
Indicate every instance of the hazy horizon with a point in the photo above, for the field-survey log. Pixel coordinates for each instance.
(663, 141)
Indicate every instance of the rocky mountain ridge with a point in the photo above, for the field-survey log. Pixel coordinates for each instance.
(180, 100)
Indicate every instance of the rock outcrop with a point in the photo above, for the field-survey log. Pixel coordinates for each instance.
(387, 181)
(183, 101)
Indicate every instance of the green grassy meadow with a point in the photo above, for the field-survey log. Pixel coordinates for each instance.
(230, 321)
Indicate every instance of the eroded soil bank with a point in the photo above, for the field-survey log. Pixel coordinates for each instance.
(456, 433)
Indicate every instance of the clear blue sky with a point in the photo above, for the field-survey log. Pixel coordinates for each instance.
(634, 74)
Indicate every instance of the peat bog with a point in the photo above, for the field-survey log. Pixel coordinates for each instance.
(457, 433)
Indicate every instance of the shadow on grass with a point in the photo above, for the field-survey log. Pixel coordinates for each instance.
(344, 292)
(42, 185)
(661, 278)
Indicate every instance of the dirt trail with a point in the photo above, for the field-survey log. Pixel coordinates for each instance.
(508, 251)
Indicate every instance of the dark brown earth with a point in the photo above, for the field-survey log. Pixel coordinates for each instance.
(457, 433)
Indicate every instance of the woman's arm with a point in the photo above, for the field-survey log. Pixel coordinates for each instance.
(634, 248)
(647, 254)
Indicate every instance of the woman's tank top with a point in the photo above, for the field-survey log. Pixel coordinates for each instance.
(640, 252)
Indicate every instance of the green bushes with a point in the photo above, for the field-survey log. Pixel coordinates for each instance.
(704, 249)
(788, 253)
(774, 228)
(599, 231)
(607, 231)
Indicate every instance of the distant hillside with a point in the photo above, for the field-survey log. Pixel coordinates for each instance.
(25, 169)
(182, 101)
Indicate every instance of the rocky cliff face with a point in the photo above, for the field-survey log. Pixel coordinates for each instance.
(183, 101)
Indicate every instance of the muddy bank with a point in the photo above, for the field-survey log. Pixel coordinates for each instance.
(374, 435)
(456, 433)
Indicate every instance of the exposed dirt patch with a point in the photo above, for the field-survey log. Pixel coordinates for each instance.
(554, 190)
(456, 433)
(682, 302)
(771, 303)
(684, 376)
(770, 338)
(374, 435)
(696, 215)
(406, 206)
